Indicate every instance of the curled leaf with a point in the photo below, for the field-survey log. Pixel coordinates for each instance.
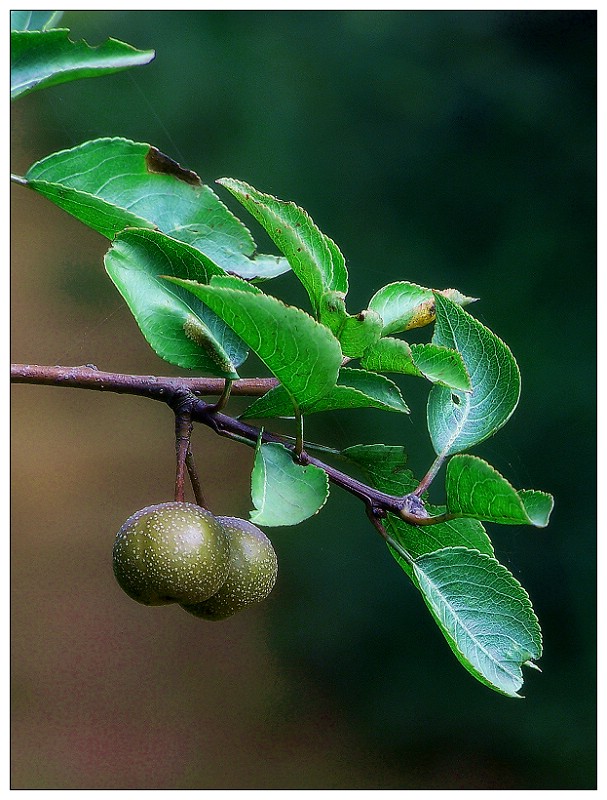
(456, 419)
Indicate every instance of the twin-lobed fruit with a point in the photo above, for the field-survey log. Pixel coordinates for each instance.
(180, 553)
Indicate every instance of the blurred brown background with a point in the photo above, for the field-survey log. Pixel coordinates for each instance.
(443, 148)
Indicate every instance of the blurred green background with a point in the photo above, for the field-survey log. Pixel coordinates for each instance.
(449, 149)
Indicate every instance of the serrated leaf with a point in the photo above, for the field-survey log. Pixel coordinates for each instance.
(458, 420)
(309, 252)
(34, 20)
(404, 306)
(385, 466)
(301, 353)
(112, 184)
(233, 282)
(283, 492)
(476, 489)
(483, 612)
(437, 364)
(178, 326)
(42, 58)
(355, 388)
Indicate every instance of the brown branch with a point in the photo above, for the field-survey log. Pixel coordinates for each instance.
(89, 377)
(182, 393)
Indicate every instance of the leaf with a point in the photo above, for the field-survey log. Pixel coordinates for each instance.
(332, 311)
(42, 58)
(89, 209)
(458, 420)
(34, 20)
(339, 278)
(398, 303)
(457, 297)
(437, 364)
(384, 465)
(483, 612)
(356, 332)
(404, 306)
(178, 326)
(359, 332)
(112, 184)
(538, 506)
(390, 355)
(441, 365)
(301, 353)
(309, 252)
(355, 388)
(475, 489)
(283, 492)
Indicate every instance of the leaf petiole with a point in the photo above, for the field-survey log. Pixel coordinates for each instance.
(183, 431)
(425, 482)
(225, 396)
(194, 479)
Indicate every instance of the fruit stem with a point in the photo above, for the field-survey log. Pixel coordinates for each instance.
(183, 432)
(195, 480)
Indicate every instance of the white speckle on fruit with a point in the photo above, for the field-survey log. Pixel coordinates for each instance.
(173, 552)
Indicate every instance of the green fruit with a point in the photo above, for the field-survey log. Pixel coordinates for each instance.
(252, 575)
(171, 553)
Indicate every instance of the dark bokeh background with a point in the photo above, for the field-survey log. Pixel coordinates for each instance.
(449, 149)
